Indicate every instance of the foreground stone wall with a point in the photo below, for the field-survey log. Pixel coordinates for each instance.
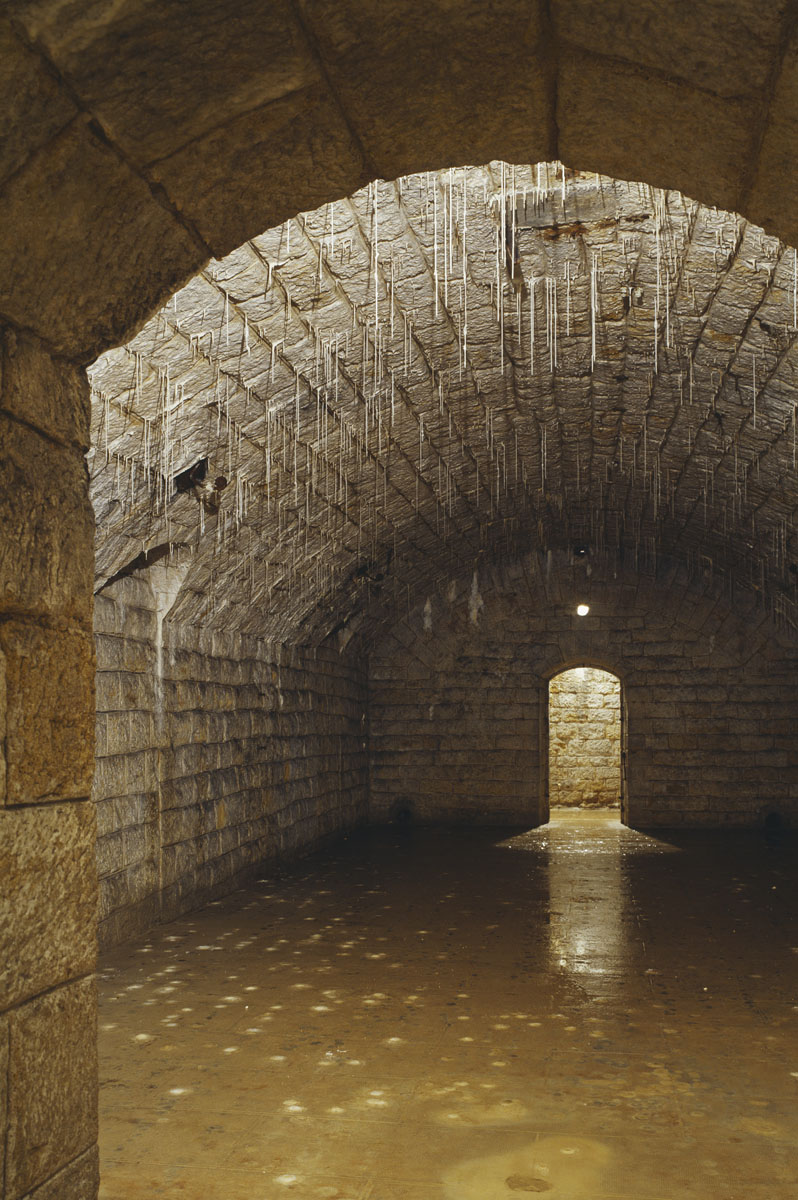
(231, 753)
(458, 697)
(48, 883)
(584, 739)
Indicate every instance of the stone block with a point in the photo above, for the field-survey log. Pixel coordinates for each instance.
(304, 131)
(128, 732)
(631, 124)
(109, 653)
(141, 771)
(107, 693)
(134, 591)
(187, 92)
(118, 254)
(2, 731)
(136, 810)
(128, 621)
(100, 736)
(52, 1085)
(48, 526)
(49, 712)
(78, 1181)
(105, 614)
(49, 897)
(129, 921)
(106, 818)
(33, 106)
(4, 1024)
(130, 886)
(110, 778)
(47, 392)
(136, 690)
(110, 853)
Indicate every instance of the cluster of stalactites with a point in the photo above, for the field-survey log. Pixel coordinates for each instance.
(452, 367)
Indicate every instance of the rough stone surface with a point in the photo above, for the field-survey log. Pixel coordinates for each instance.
(458, 699)
(48, 904)
(489, 99)
(672, 135)
(46, 553)
(301, 131)
(132, 255)
(236, 753)
(78, 1181)
(3, 1090)
(776, 170)
(33, 108)
(2, 728)
(91, 242)
(48, 898)
(202, 73)
(584, 739)
(52, 1088)
(724, 49)
(50, 699)
(48, 393)
(516, 80)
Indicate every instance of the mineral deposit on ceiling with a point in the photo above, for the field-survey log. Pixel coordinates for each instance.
(399, 386)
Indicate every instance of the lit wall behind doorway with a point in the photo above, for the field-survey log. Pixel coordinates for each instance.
(585, 739)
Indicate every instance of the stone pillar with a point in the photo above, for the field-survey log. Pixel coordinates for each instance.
(48, 890)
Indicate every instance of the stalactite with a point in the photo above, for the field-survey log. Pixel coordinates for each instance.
(532, 283)
(753, 387)
(593, 302)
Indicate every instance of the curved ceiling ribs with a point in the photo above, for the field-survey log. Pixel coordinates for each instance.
(451, 368)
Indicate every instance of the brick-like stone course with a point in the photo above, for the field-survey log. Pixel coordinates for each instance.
(240, 752)
(52, 1082)
(457, 711)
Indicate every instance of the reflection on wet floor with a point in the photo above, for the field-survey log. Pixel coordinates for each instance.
(580, 1010)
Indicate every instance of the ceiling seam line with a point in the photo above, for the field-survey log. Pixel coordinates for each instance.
(98, 130)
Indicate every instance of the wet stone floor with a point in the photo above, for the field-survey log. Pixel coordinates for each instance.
(580, 1011)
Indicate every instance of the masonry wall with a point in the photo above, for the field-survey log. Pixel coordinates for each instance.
(584, 739)
(458, 696)
(48, 881)
(231, 754)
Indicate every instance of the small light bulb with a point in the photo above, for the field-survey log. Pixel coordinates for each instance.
(583, 609)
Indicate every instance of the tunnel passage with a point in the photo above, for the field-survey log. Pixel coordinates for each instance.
(353, 481)
(148, 154)
(585, 739)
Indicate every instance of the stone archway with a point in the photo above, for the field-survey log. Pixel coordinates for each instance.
(149, 150)
(141, 145)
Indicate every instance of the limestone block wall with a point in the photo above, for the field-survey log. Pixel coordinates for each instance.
(48, 881)
(458, 699)
(215, 752)
(584, 739)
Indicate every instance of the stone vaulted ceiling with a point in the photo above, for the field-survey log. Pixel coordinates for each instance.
(452, 369)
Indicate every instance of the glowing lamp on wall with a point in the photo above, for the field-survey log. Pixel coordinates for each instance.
(583, 609)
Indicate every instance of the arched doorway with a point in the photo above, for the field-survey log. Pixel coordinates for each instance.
(586, 736)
